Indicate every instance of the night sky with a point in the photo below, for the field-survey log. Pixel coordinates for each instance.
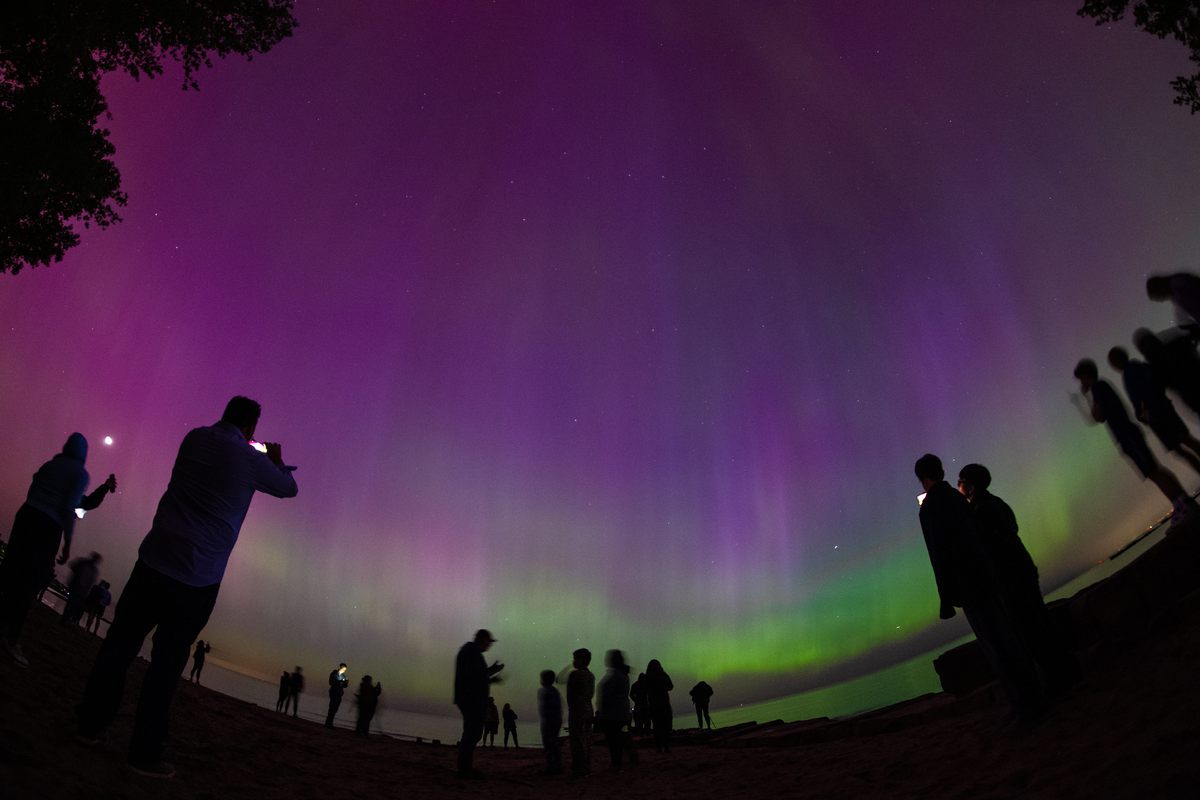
(617, 324)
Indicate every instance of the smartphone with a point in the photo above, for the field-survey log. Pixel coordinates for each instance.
(259, 446)
(921, 499)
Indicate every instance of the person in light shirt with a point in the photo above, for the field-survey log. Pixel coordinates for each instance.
(175, 582)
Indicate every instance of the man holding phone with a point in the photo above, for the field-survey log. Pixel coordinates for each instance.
(175, 582)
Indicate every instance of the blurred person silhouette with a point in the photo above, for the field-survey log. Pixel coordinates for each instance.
(175, 581)
(1175, 365)
(1182, 289)
(1106, 407)
(84, 572)
(701, 694)
(337, 687)
(1017, 577)
(98, 600)
(581, 687)
(472, 677)
(368, 700)
(510, 724)
(613, 712)
(550, 718)
(491, 723)
(285, 685)
(1148, 396)
(295, 689)
(203, 648)
(641, 715)
(45, 518)
(658, 701)
(964, 580)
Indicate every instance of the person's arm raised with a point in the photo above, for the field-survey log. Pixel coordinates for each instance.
(272, 476)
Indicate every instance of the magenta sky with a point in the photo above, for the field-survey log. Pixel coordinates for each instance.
(617, 323)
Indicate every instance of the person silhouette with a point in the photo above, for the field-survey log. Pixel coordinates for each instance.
(368, 700)
(45, 518)
(472, 677)
(337, 687)
(295, 689)
(285, 684)
(701, 694)
(658, 701)
(581, 687)
(1106, 407)
(510, 725)
(1151, 406)
(99, 598)
(202, 649)
(491, 723)
(1017, 577)
(641, 714)
(613, 714)
(174, 584)
(84, 572)
(550, 717)
(1181, 288)
(1175, 365)
(964, 580)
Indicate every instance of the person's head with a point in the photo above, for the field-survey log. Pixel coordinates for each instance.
(484, 639)
(242, 413)
(1118, 358)
(973, 478)
(1086, 373)
(929, 470)
(581, 658)
(1147, 343)
(299, 669)
(342, 668)
(507, 706)
(95, 557)
(76, 447)
(653, 667)
(547, 677)
(491, 701)
(615, 659)
(105, 584)
(1158, 287)
(366, 680)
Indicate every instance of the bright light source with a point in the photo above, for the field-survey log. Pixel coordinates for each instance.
(79, 512)
(108, 440)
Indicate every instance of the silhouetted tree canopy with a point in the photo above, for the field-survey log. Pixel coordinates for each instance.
(1179, 19)
(56, 169)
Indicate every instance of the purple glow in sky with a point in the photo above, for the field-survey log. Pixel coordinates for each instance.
(617, 324)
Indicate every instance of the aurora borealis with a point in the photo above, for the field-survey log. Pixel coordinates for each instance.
(617, 324)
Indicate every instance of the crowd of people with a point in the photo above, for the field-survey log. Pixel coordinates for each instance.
(979, 563)
(615, 708)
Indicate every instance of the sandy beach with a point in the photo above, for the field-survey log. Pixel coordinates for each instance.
(1132, 729)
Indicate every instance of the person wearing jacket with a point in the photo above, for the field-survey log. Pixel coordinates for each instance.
(46, 519)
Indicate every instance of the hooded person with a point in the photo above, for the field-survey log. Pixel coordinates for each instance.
(45, 519)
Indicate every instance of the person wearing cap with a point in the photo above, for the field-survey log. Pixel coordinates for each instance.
(46, 518)
(472, 677)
